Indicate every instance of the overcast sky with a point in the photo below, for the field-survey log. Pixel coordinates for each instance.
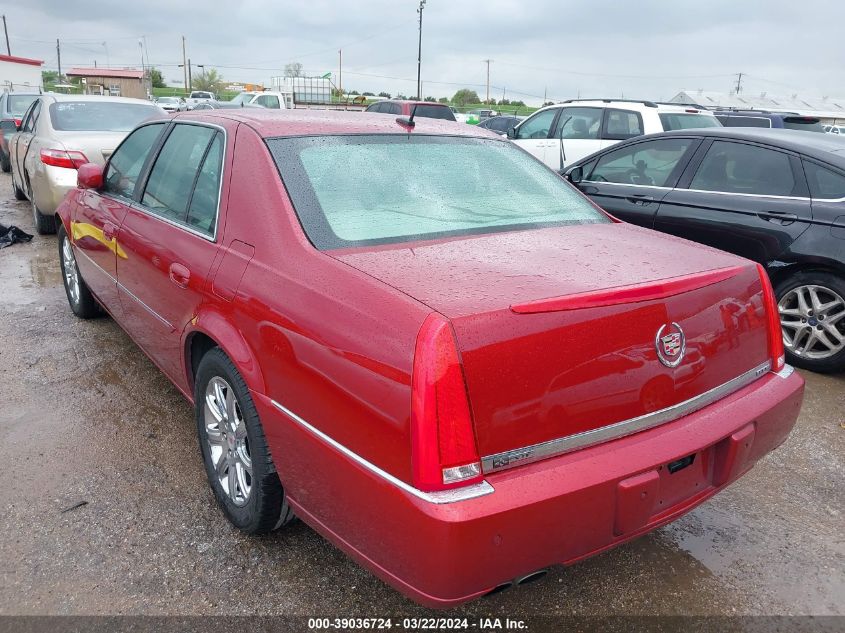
(561, 48)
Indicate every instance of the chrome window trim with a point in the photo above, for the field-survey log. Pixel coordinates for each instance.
(747, 195)
(560, 446)
(138, 205)
(623, 184)
(440, 497)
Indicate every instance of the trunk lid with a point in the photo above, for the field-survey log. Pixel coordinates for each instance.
(548, 354)
(97, 146)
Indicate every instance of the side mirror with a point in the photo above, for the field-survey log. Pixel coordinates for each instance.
(89, 176)
(575, 175)
(512, 132)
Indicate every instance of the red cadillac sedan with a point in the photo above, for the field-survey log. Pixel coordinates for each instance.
(424, 343)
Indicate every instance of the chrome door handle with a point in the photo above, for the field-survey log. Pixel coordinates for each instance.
(179, 275)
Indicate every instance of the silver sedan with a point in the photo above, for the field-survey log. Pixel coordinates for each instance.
(59, 133)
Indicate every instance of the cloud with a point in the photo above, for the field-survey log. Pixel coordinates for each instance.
(644, 49)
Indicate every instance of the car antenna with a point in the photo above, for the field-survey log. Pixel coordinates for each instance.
(409, 122)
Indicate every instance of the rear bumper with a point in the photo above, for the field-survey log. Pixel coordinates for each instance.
(50, 185)
(555, 511)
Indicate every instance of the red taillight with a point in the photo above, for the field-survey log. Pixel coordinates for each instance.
(18, 122)
(62, 158)
(443, 447)
(691, 111)
(775, 336)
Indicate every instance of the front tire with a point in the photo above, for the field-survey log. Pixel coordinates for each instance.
(81, 301)
(812, 314)
(234, 449)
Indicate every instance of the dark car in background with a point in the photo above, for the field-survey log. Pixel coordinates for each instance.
(766, 119)
(12, 108)
(425, 109)
(501, 124)
(772, 196)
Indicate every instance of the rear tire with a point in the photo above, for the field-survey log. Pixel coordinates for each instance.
(812, 311)
(19, 194)
(5, 164)
(44, 224)
(81, 301)
(234, 449)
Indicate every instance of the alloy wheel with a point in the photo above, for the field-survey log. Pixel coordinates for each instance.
(812, 319)
(228, 444)
(71, 272)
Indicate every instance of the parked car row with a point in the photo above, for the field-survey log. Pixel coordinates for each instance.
(337, 294)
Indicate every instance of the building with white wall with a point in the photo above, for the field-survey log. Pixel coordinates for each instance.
(19, 73)
(831, 110)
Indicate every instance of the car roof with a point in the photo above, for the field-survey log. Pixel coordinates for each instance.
(305, 122)
(829, 148)
(413, 102)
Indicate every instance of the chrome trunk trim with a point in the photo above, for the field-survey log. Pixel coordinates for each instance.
(552, 448)
(439, 497)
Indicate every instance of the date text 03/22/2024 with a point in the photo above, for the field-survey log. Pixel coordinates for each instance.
(417, 624)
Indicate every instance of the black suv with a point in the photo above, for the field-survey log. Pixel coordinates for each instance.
(773, 196)
(764, 118)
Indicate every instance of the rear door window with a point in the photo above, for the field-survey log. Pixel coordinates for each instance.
(741, 168)
(650, 163)
(824, 183)
(434, 112)
(172, 178)
(622, 124)
(202, 212)
(126, 162)
(687, 121)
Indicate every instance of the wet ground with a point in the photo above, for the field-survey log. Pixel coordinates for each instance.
(87, 418)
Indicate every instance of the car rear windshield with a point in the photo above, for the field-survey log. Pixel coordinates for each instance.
(687, 120)
(808, 124)
(385, 189)
(19, 103)
(434, 112)
(99, 116)
(743, 121)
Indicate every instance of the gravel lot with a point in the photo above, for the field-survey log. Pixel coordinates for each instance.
(88, 418)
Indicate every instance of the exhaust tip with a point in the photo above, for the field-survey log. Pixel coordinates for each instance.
(499, 589)
(532, 577)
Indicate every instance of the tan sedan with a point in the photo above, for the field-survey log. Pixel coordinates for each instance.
(59, 133)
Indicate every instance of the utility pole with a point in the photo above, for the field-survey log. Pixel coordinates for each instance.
(59, 57)
(6, 31)
(185, 65)
(739, 83)
(419, 51)
(487, 61)
(340, 72)
(190, 79)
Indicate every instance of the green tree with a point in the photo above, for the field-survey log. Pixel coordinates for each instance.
(354, 92)
(465, 96)
(443, 99)
(209, 80)
(368, 94)
(386, 95)
(431, 99)
(49, 77)
(156, 78)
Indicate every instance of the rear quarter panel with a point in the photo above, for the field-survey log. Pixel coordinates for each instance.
(332, 344)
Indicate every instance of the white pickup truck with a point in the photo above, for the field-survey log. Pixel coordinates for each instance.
(198, 96)
(265, 99)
